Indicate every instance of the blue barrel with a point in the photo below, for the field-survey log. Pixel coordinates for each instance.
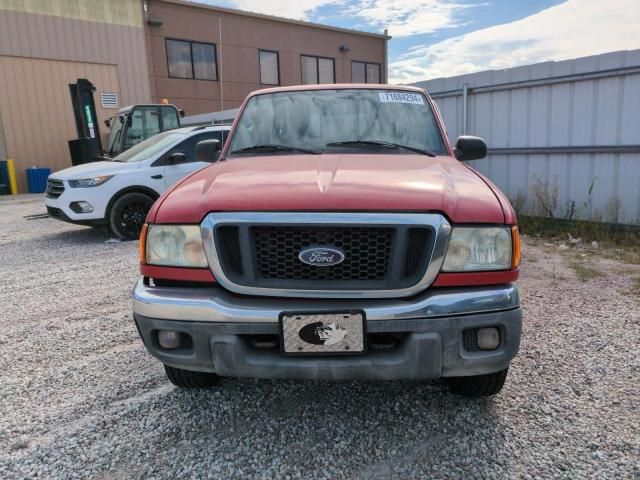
(37, 179)
(4, 178)
(4, 172)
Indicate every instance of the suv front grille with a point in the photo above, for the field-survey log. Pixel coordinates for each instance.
(54, 188)
(54, 212)
(377, 257)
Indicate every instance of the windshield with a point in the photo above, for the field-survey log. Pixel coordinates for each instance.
(150, 147)
(316, 119)
(113, 146)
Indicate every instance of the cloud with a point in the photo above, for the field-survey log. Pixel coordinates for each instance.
(572, 29)
(401, 17)
(296, 9)
(408, 17)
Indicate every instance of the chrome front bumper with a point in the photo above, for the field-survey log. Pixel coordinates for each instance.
(221, 324)
(218, 305)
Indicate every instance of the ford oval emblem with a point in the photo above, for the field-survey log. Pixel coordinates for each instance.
(321, 256)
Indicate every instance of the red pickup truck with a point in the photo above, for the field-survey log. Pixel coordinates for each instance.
(339, 236)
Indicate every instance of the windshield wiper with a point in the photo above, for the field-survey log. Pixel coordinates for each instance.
(380, 143)
(275, 148)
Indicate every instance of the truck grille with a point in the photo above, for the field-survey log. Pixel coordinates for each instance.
(54, 188)
(277, 249)
(377, 257)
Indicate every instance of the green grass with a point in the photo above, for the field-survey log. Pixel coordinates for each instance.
(585, 272)
(616, 241)
(609, 233)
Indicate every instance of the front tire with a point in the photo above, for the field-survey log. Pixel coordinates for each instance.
(128, 214)
(190, 379)
(477, 386)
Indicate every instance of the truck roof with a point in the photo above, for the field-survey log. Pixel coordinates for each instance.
(337, 86)
(129, 107)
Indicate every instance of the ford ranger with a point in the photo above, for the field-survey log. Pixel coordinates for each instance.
(338, 236)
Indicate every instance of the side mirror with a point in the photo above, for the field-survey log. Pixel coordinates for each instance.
(176, 158)
(208, 150)
(470, 148)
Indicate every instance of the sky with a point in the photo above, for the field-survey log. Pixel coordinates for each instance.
(444, 38)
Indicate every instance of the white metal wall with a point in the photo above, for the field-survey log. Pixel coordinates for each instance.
(571, 127)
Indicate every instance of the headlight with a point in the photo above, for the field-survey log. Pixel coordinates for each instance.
(89, 182)
(175, 246)
(479, 248)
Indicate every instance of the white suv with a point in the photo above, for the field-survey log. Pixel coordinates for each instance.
(118, 193)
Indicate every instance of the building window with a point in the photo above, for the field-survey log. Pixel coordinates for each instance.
(362, 72)
(317, 70)
(269, 67)
(187, 59)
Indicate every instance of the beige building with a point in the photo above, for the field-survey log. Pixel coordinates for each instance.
(47, 45)
(200, 58)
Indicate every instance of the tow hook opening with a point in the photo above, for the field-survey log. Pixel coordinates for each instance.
(265, 342)
(383, 342)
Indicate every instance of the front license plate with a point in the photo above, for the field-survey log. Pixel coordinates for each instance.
(322, 333)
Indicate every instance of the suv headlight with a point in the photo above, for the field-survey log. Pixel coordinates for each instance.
(89, 182)
(481, 248)
(175, 246)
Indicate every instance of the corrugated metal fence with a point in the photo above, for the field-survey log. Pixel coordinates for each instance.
(563, 137)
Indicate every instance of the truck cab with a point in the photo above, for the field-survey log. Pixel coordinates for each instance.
(136, 123)
(339, 236)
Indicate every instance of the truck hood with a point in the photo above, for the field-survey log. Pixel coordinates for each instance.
(93, 169)
(333, 182)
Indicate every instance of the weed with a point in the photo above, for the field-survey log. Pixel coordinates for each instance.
(518, 203)
(545, 197)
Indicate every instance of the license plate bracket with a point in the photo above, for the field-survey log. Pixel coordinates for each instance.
(323, 333)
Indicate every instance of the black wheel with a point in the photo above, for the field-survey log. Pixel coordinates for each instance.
(190, 379)
(478, 385)
(128, 214)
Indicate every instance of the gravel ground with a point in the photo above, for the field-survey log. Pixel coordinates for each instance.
(80, 397)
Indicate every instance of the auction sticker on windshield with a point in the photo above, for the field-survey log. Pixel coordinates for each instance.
(401, 97)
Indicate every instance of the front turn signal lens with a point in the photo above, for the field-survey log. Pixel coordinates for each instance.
(516, 248)
(143, 244)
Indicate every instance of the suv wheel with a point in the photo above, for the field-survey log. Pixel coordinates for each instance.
(190, 379)
(478, 385)
(128, 213)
